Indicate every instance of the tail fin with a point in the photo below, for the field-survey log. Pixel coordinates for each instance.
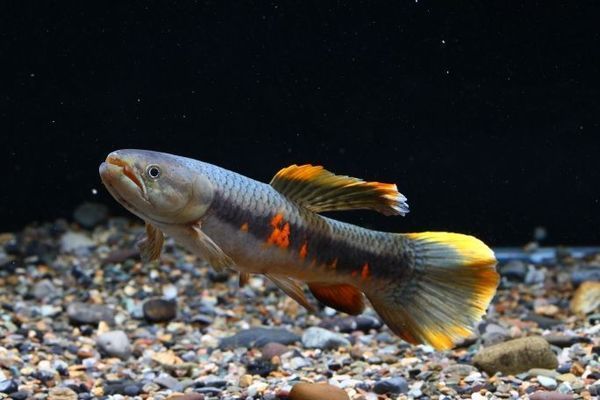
(453, 282)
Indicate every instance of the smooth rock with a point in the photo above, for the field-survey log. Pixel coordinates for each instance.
(258, 337)
(586, 298)
(115, 344)
(8, 386)
(585, 274)
(515, 356)
(186, 396)
(72, 241)
(20, 395)
(62, 393)
(514, 270)
(565, 340)
(84, 313)
(167, 381)
(320, 338)
(317, 391)
(90, 214)
(43, 290)
(159, 310)
(273, 349)
(352, 323)
(391, 385)
(547, 382)
(541, 395)
(459, 371)
(543, 322)
(121, 387)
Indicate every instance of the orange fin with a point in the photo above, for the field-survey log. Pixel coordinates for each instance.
(345, 298)
(317, 189)
(292, 289)
(151, 245)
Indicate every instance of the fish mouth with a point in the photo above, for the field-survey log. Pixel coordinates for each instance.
(112, 159)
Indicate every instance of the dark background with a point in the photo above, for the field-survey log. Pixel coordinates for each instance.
(486, 115)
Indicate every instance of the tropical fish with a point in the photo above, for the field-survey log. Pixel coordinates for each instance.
(429, 287)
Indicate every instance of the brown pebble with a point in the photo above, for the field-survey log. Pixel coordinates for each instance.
(317, 391)
(62, 393)
(541, 395)
(515, 356)
(159, 310)
(271, 350)
(186, 396)
(586, 298)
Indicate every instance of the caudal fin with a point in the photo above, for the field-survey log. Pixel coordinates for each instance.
(453, 283)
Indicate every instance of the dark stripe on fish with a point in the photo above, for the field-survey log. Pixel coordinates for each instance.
(320, 246)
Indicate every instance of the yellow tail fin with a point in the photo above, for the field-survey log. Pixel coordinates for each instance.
(454, 281)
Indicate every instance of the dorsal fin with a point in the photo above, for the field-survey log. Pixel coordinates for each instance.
(319, 190)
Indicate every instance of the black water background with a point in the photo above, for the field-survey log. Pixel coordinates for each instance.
(486, 115)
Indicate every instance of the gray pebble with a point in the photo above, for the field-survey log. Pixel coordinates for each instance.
(115, 344)
(159, 310)
(258, 337)
(316, 337)
(167, 381)
(391, 385)
(84, 313)
(43, 290)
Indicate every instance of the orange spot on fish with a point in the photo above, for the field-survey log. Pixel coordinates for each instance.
(364, 273)
(244, 227)
(281, 234)
(304, 250)
(354, 273)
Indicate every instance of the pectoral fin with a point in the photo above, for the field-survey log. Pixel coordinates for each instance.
(317, 189)
(345, 298)
(292, 289)
(150, 245)
(211, 251)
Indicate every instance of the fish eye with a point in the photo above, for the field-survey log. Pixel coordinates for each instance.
(153, 171)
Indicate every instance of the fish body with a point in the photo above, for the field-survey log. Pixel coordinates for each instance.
(428, 287)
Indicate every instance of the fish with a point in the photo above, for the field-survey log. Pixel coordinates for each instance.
(428, 287)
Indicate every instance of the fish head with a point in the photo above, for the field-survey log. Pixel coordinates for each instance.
(157, 187)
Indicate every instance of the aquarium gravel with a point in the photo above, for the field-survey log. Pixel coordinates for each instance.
(82, 317)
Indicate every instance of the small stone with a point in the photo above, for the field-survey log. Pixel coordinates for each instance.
(514, 270)
(543, 322)
(159, 310)
(586, 298)
(515, 356)
(317, 391)
(186, 396)
(258, 337)
(20, 395)
(167, 381)
(84, 313)
(273, 349)
(8, 386)
(72, 241)
(352, 323)
(547, 382)
(257, 388)
(391, 385)
(585, 274)
(534, 276)
(565, 340)
(62, 393)
(541, 395)
(121, 387)
(245, 380)
(114, 344)
(316, 337)
(43, 290)
(260, 367)
(568, 377)
(90, 214)
(459, 371)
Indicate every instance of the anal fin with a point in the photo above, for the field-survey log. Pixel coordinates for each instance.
(345, 298)
(292, 289)
(150, 245)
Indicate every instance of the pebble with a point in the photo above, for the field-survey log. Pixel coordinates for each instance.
(90, 214)
(20, 395)
(258, 337)
(515, 356)
(565, 340)
(43, 290)
(62, 393)
(84, 313)
(273, 349)
(186, 396)
(391, 385)
(72, 241)
(547, 382)
(159, 310)
(316, 337)
(514, 270)
(114, 344)
(585, 274)
(540, 395)
(8, 386)
(169, 382)
(351, 324)
(586, 298)
(317, 391)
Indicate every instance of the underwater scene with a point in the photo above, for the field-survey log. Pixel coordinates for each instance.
(307, 201)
